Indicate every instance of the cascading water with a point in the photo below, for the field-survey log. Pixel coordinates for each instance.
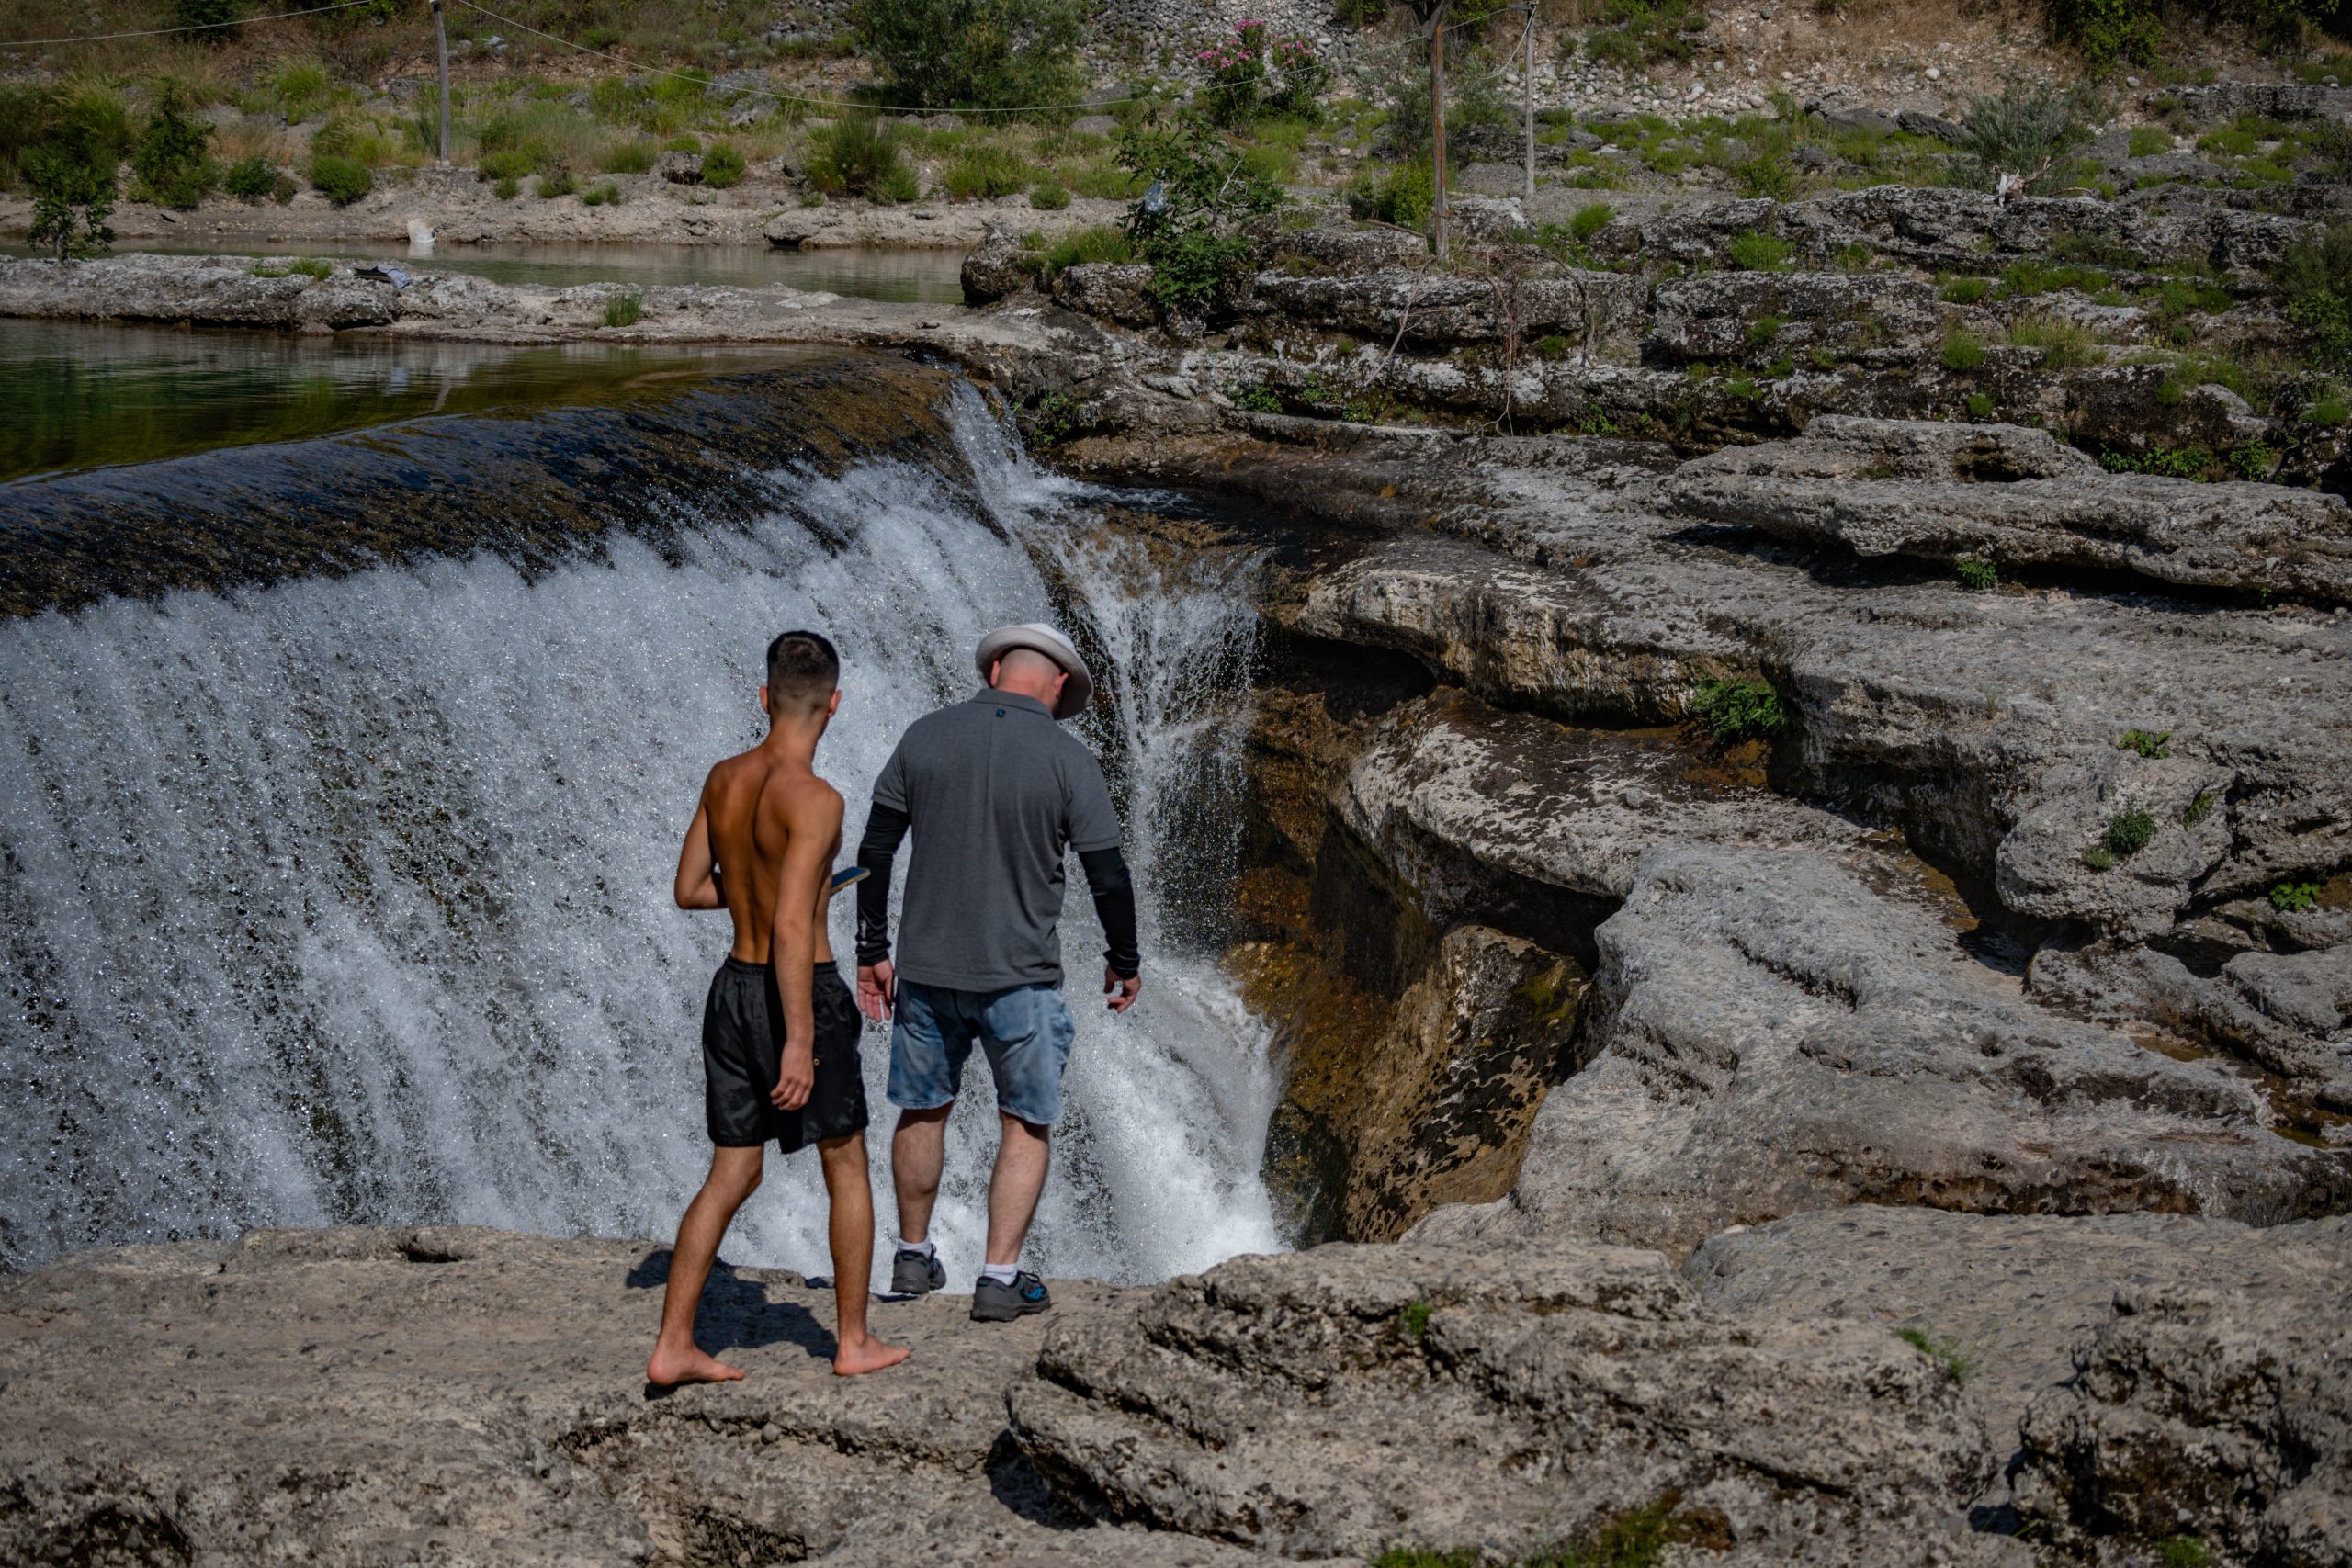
(345, 899)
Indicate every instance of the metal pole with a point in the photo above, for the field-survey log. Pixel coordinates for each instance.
(441, 44)
(1527, 87)
(1437, 125)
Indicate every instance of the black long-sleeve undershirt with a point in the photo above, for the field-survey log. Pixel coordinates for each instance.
(1106, 877)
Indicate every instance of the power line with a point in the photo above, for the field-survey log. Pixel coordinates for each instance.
(763, 92)
(194, 28)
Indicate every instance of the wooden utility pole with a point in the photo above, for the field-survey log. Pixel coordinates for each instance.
(1527, 85)
(441, 46)
(1437, 124)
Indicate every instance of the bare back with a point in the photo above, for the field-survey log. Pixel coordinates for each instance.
(747, 810)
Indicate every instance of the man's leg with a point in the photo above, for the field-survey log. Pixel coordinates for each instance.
(852, 1235)
(734, 1175)
(918, 1151)
(1023, 1151)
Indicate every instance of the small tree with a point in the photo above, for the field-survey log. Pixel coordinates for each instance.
(171, 160)
(972, 53)
(72, 187)
(1188, 224)
(213, 15)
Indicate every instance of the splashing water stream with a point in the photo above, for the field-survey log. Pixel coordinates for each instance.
(345, 899)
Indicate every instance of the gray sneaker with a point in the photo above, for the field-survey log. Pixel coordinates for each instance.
(916, 1273)
(995, 1303)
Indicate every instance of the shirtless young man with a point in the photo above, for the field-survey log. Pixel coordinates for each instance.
(779, 1032)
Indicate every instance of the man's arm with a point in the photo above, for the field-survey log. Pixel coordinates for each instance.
(1114, 906)
(877, 852)
(697, 886)
(812, 817)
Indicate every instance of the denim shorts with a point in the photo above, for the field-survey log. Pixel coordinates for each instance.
(1026, 1031)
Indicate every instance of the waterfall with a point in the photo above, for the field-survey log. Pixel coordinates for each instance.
(345, 899)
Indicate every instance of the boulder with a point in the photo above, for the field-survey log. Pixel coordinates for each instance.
(1919, 122)
(1434, 308)
(2017, 497)
(679, 168)
(225, 291)
(1769, 1032)
(1502, 1402)
(1329, 250)
(2267, 101)
(1114, 291)
(2218, 1408)
(1002, 266)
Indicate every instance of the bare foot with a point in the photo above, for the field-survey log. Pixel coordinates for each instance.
(690, 1365)
(866, 1355)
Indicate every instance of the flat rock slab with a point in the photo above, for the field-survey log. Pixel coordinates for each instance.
(2012, 1295)
(2016, 497)
(460, 1396)
(1771, 1035)
(1504, 1402)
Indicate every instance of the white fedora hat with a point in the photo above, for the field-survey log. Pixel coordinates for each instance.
(1038, 637)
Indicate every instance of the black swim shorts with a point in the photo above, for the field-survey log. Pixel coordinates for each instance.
(743, 1055)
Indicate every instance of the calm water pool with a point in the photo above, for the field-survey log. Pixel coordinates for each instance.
(75, 395)
(931, 277)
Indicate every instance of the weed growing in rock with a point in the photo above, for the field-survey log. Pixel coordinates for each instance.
(1739, 710)
(603, 193)
(2315, 275)
(1960, 353)
(2328, 410)
(1977, 574)
(1957, 1363)
(1052, 417)
(1967, 290)
(1414, 1318)
(1100, 243)
(1634, 1539)
(2289, 898)
(308, 267)
(1979, 405)
(2128, 832)
(624, 310)
(1591, 221)
(558, 183)
(1047, 196)
(1257, 398)
(1758, 252)
(723, 165)
(1551, 346)
(2098, 857)
(2145, 742)
(1764, 329)
(2183, 1552)
(2065, 345)
(2199, 808)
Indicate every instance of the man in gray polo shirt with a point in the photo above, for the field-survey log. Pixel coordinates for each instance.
(995, 791)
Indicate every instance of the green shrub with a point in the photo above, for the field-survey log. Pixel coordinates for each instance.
(2289, 898)
(2147, 140)
(557, 183)
(2108, 32)
(900, 184)
(634, 156)
(506, 187)
(1590, 220)
(2065, 345)
(1966, 290)
(354, 137)
(2128, 832)
(1976, 574)
(1404, 196)
(1980, 405)
(2199, 808)
(170, 160)
(624, 310)
(2026, 128)
(722, 165)
(213, 17)
(971, 53)
(1551, 346)
(2145, 742)
(2183, 1552)
(1257, 398)
(1196, 242)
(1737, 710)
(509, 163)
(341, 180)
(853, 155)
(1053, 417)
(2328, 408)
(1764, 329)
(1414, 1317)
(2098, 857)
(1045, 196)
(1957, 1364)
(603, 193)
(251, 178)
(1960, 353)
(2315, 275)
(1758, 252)
(986, 172)
(1100, 243)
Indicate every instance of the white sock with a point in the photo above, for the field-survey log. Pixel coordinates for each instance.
(922, 1246)
(1002, 1273)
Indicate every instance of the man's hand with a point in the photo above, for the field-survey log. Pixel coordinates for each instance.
(799, 1076)
(877, 987)
(1122, 993)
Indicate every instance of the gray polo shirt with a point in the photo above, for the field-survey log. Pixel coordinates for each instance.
(995, 791)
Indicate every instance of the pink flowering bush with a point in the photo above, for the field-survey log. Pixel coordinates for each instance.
(1251, 73)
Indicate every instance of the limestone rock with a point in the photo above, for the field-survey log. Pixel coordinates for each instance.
(1757, 316)
(1584, 305)
(1117, 291)
(448, 1394)
(1767, 1034)
(2215, 1408)
(1356, 1398)
(207, 291)
(2016, 496)
(999, 266)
